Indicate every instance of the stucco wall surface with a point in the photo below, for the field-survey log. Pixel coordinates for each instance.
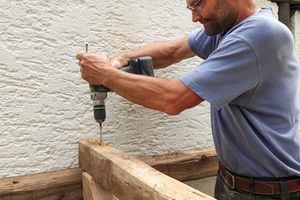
(45, 105)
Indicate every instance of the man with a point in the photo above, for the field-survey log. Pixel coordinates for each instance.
(250, 77)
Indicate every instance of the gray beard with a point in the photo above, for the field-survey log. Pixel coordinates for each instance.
(224, 18)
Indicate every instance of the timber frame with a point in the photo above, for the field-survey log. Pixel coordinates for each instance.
(107, 173)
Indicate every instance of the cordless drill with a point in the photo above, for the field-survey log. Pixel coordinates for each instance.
(142, 65)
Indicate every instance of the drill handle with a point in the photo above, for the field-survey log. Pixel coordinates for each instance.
(142, 65)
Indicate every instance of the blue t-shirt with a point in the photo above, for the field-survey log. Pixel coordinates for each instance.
(250, 77)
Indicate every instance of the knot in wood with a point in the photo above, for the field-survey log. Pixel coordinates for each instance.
(203, 157)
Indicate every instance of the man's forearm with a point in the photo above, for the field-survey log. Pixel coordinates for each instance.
(170, 97)
(162, 54)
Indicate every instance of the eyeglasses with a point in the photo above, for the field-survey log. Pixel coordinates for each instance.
(195, 7)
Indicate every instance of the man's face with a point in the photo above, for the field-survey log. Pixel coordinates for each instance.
(216, 16)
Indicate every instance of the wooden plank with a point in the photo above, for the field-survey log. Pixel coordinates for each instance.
(186, 165)
(93, 190)
(129, 178)
(62, 185)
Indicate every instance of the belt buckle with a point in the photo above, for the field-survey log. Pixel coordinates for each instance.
(227, 174)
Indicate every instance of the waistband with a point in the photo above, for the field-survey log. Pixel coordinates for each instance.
(259, 186)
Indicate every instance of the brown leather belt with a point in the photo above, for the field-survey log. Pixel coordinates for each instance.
(260, 187)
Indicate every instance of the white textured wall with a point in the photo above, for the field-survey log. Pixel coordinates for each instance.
(45, 106)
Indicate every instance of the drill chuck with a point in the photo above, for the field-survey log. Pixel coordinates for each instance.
(98, 95)
(99, 113)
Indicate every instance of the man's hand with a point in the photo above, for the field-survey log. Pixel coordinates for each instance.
(92, 67)
(119, 61)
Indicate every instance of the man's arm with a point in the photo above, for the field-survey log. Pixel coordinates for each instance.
(171, 97)
(162, 54)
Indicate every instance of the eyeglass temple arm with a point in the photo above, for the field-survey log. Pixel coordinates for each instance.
(198, 3)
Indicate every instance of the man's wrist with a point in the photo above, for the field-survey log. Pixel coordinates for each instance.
(108, 73)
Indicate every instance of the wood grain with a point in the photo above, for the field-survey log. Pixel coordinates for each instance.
(60, 185)
(93, 190)
(186, 165)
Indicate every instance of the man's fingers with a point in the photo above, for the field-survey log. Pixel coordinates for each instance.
(79, 56)
(116, 64)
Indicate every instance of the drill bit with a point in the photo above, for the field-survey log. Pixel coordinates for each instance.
(100, 132)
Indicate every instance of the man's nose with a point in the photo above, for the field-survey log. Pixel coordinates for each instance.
(196, 16)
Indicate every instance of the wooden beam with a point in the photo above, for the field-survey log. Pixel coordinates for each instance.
(93, 190)
(186, 165)
(63, 185)
(129, 178)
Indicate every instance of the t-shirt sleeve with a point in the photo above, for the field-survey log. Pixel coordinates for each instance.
(228, 72)
(201, 44)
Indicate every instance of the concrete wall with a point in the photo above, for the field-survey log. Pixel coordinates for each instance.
(45, 106)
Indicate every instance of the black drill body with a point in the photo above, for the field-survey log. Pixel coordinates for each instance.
(142, 65)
